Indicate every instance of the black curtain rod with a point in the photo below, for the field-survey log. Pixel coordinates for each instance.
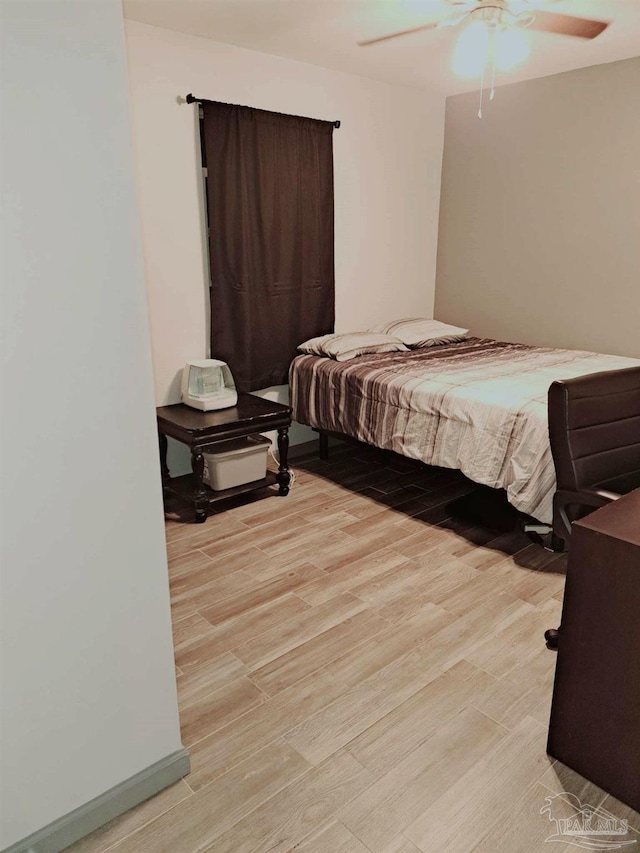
(191, 99)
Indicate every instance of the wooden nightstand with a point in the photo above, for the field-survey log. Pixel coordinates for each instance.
(201, 431)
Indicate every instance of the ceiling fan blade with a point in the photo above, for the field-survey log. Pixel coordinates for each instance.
(432, 26)
(567, 25)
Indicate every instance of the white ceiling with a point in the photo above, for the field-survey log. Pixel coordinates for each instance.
(326, 32)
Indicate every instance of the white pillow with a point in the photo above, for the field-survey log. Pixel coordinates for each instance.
(419, 332)
(344, 347)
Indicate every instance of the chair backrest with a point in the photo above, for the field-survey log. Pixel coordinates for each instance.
(594, 429)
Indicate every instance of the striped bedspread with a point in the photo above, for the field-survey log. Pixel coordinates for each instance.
(478, 405)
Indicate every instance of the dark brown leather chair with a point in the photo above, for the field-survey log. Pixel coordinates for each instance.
(594, 428)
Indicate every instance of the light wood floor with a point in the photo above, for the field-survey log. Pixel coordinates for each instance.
(358, 672)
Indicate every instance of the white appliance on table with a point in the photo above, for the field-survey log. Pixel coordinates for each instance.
(207, 384)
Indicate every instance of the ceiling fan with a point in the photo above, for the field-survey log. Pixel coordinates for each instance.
(493, 38)
(496, 13)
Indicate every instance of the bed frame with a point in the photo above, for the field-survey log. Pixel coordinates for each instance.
(594, 425)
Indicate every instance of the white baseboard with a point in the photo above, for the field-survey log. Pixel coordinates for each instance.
(118, 800)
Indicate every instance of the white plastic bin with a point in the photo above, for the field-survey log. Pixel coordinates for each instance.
(235, 462)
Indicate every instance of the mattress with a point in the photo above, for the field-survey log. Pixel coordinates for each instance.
(478, 405)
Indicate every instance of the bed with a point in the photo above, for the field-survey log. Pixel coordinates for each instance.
(477, 405)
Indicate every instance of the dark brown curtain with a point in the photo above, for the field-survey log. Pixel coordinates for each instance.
(270, 206)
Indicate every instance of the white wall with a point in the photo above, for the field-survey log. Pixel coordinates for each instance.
(88, 689)
(387, 161)
(540, 211)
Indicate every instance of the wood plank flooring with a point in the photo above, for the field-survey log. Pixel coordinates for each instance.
(358, 672)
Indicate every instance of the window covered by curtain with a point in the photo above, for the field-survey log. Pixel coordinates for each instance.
(270, 206)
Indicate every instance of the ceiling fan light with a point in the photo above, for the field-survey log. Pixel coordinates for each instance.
(511, 47)
(472, 50)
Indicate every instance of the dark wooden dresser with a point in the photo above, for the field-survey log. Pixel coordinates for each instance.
(595, 715)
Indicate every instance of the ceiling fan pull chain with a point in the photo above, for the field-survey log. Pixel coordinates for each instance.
(493, 68)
